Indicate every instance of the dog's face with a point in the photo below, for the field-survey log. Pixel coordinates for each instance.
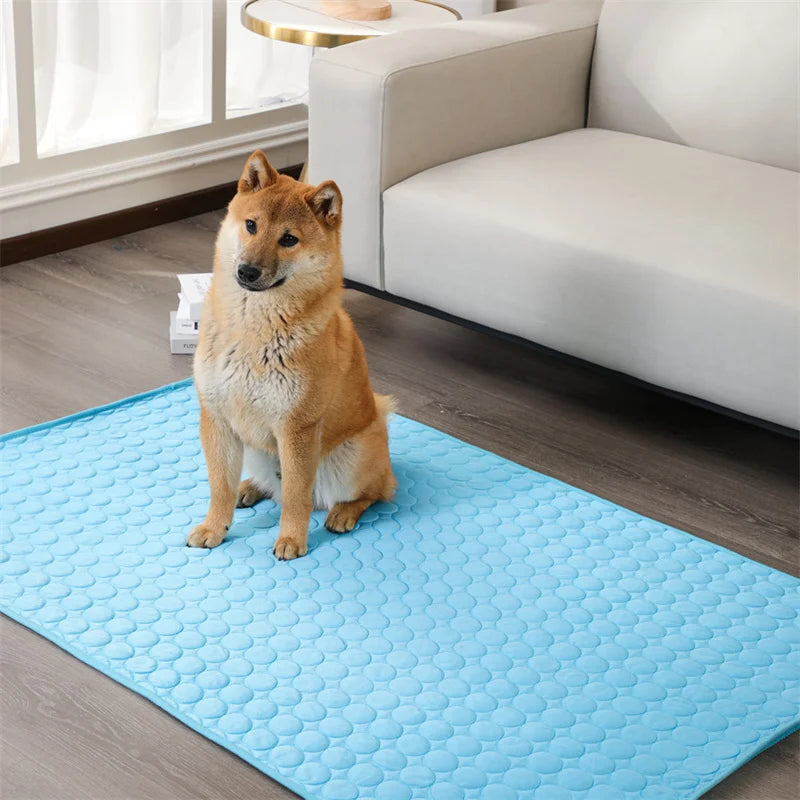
(278, 230)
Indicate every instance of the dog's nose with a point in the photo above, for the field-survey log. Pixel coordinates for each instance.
(248, 273)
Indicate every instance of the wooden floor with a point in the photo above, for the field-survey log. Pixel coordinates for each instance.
(88, 326)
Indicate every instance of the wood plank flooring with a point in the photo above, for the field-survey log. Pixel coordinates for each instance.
(88, 326)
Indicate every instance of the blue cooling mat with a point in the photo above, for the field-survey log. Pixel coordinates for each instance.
(492, 634)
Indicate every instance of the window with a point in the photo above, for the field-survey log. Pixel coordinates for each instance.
(96, 73)
(110, 71)
(261, 74)
(9, 142)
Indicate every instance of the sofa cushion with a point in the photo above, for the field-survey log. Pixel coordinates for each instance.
(721, 75)
(674, 265)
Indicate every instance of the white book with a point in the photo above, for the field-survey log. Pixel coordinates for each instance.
(186, 326)
(180, 341)
(183, 322)
(183, 307)
(194, 288)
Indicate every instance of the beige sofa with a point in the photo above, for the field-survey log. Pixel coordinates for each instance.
(618, 182)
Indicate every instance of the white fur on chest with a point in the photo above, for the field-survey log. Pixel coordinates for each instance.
(249, 393)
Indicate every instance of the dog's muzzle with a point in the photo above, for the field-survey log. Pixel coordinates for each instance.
(250, 278)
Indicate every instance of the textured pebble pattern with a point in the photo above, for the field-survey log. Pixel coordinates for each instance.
(493, 633)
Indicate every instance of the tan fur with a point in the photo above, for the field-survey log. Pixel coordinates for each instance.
(281, 372)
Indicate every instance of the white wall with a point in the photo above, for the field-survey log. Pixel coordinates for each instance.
(62, 189)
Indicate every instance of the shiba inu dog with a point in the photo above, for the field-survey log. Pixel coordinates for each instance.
(280, 371)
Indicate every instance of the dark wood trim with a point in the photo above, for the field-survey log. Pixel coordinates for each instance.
(119, 223)
(629, 379)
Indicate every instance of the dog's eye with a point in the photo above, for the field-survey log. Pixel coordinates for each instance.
(250, 224)
(287, 240)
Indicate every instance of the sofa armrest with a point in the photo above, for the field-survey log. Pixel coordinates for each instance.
(384, 109)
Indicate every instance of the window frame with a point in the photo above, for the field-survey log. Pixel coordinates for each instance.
(286, 121)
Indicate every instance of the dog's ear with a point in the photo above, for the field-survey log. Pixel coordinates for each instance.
(258, 174)
(326, 203)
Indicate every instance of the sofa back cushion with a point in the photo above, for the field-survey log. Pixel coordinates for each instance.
(720, 75)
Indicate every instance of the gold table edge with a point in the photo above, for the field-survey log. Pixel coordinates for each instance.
(314, 38)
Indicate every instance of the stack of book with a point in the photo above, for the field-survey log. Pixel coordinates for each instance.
(184, 324)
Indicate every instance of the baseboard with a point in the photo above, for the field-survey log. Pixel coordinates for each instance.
(773, 427)
(119, 223)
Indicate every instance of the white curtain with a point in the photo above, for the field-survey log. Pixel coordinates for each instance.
(9, 152)
(262, 73)
(109, 70)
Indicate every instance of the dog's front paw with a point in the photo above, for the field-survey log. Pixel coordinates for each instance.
(206, 536)
(287, 548)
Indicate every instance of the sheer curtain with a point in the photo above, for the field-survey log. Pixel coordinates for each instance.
(9, 146)
(262, 73)
(106, 71)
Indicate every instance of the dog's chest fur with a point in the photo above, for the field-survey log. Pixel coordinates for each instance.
(252, 380)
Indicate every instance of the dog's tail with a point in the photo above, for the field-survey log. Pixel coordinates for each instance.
(385, 404)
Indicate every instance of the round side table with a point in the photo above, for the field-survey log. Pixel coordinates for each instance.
(304, 21)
